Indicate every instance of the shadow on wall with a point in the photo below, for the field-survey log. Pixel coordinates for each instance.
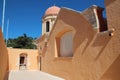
(85, 33)
(113, 72)
(7, 76)
(82, 27)
(7, 70)
(4, 61)
(101, 40)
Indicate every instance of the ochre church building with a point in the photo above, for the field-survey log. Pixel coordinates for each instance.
(81, 45)
(74, 45)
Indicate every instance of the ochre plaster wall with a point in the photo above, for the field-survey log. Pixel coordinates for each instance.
(113, 19)
(32, 58)
(96, 55)
(3, 58)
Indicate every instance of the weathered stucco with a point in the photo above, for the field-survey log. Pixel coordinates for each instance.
(113, 17)
(3, 58)
(96, 54)
(14, 58)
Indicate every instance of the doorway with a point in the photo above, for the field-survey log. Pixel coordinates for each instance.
(23, 61)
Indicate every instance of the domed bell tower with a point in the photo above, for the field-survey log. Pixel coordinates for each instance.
(49, 19)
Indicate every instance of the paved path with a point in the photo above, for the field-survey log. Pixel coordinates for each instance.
(31, 75)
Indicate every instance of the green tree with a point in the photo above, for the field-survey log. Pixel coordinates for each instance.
(22, 42)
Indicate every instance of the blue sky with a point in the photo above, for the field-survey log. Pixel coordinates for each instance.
(25, 15)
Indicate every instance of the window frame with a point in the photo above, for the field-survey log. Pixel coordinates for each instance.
(57, 44)
(47, 26)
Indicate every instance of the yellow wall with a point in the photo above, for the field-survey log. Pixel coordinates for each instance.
(96, 55)
(32, 58)
(3, 58)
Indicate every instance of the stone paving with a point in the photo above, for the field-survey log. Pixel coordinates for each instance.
(31, 75)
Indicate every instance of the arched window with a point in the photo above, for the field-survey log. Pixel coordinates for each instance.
(23, 61)
(66, 45)
(47, 26)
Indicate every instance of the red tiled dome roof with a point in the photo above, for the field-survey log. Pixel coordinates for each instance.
(52, 10)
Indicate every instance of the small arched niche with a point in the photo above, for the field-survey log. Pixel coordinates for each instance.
(64, 44)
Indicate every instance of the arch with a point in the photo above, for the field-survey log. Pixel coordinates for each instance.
(64, 44)
(23, 61)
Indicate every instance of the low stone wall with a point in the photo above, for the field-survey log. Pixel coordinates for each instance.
(31, 58)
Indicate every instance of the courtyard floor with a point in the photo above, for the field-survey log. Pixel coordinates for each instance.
(31, 75)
